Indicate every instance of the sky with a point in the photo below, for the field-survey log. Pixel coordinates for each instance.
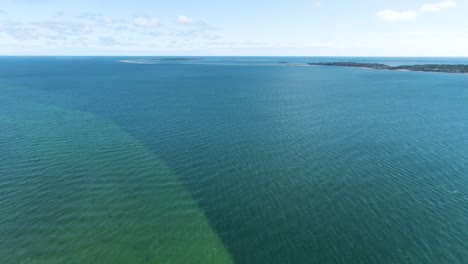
(235, 28)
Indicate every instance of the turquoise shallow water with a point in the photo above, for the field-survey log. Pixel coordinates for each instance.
(231, 160)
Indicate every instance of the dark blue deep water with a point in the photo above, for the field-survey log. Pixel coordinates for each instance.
(231, 160)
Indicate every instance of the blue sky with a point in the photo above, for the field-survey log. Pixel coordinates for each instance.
(241, 27)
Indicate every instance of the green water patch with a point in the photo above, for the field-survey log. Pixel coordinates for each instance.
(78, 189)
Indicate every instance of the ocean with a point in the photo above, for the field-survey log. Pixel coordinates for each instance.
(231, 160)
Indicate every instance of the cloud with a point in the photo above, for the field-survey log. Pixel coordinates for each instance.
(98, 19)
(187, 33)
(184, 20)
(146, 22)
(45, 30)
(107, 19)
(154, 33)
(20, 31)
(108, 41)
(391, 15)
(98, 30)
(434, 7)
(64, 28)
(2, 12)
(211, 37)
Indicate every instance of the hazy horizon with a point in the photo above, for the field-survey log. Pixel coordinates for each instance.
(229, 56)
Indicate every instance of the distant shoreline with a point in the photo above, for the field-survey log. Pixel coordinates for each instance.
(446, 68)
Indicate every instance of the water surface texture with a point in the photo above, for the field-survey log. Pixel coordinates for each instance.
(231, 160)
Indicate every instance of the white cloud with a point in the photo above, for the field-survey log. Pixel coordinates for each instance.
(391, 15)
(434, 7)
(107, 19)
(147, 22)
(184, 20)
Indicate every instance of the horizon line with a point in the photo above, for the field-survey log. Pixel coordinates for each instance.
(298, 56)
